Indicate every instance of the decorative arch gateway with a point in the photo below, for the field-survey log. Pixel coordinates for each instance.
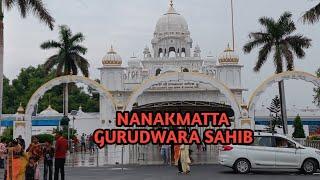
(298, 75)
(187, 76)
(104, 92)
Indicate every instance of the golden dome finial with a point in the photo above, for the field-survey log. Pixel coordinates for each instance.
(111, 50)
(228, 49)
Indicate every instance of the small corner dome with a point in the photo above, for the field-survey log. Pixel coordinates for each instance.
(49, 112)
(20, 109)
(172, 22)
(112, 58)
(228, 57)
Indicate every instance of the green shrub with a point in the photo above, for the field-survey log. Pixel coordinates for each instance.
(6, 138)
(298, 128)
(7, 134)
(315, 138)
(64, 132)
(45, 137)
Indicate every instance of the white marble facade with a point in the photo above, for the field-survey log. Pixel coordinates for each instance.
(172, 51)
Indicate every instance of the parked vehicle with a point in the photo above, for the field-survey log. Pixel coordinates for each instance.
(270, 151)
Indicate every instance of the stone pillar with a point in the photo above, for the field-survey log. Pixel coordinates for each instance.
(28, 131)
(246, 122)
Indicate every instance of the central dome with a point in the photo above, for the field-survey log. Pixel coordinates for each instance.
(171, 22)
(171, 36)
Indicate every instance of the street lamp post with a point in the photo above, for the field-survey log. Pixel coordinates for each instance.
(73, 113)
(65, 123)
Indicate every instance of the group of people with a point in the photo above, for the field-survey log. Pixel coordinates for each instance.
(181, 156)
(21, 163)
(86, 142)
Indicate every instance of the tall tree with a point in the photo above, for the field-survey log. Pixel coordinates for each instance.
(68, 58)
(275, 118)
(313, 15)
(31, 78)
(25, 7)
(276, 37)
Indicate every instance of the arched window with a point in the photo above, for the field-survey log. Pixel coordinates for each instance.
(172, 52)
(158, 71)
(160, 53)
(185, 70)
(183, 52)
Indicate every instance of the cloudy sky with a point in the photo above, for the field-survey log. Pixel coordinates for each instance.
(129, 26)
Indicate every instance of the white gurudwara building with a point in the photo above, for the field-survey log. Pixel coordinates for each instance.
(172, 50)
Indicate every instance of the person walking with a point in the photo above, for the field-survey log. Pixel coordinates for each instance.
(16, 162)
(177, 160)
(35, 152)
(61, 149)
(83, 142)
(185, 158)
(48, 155)
(91, 144)
(165, 153)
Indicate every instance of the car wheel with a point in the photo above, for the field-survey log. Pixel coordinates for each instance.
(242, 166)
(309, 166)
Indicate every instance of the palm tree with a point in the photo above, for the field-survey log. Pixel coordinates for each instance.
(68, 58)
(276, 37)
(36, 7)
(313, 15)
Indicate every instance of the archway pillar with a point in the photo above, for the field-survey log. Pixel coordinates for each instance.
(245, 121)
(26, 131)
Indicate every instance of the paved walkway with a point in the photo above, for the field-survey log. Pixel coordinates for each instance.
(203, 172)
(83, 159)
(156, 172)
(150, 154)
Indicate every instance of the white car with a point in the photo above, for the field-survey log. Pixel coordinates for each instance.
(270, 151)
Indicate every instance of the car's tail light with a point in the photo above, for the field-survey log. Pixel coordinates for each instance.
(227, 148)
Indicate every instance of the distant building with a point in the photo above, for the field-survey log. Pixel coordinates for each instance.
(49, 119)
(310, 118)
